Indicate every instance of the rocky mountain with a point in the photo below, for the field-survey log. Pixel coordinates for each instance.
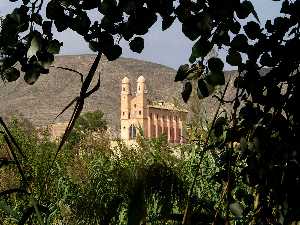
(42, 102)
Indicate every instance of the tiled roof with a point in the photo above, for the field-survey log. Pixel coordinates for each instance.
(166, 105)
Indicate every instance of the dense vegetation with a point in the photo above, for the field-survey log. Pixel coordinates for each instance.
(254, 143)
(92, 183)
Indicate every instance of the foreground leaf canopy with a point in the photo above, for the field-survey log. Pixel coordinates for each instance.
(263, 119)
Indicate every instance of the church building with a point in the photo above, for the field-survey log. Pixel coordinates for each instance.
(153, 117)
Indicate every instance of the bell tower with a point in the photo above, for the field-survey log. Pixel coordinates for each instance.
(141, 104)
(125, 107)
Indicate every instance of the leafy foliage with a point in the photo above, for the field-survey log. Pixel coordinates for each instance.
(255, 145)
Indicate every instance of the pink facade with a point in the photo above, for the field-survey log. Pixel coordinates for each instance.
(153, 118)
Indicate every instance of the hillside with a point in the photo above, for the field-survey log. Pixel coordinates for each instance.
(41, 102)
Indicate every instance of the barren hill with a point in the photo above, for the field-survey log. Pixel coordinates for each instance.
(41, 102)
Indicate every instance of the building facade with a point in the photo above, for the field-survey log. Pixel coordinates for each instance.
(154, 118)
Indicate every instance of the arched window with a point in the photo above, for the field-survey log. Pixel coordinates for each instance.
(132, 132)
(124, 89)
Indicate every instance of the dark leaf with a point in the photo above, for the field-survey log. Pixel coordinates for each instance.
(234, 58)
(285, 8)
(94, 46)
(244, 10)
(186, 92)
(201, 48)
(137, 205)
(63, 24)
(89, 4)
(215, 64)
(11, 191)
(235, 27)
(81, 23)
(192, 59)
(203, 89)
(167, 22)
(11, 74)
(182, 72)
(113, 53)
(137, 44)
(107, 6)
(26, 214)
(266, 60)
(54, 10)
(215, 78)
(219, 126)
(252, 30)
(37, 18)
(239, 42)
(189, 31)
(54, 46)
(47, 26)
(269, 26)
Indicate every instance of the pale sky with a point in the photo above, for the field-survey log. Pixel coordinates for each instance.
(170, 48)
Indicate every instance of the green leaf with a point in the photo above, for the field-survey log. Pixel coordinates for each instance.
(234, 58)
(35, 45)
(201, 48)
(215, 78)
(182, 72)
(236, 209)
(187, 91)
(11, 74)
(8, 209)
(215, 64)
(54, 46)
(137, 44)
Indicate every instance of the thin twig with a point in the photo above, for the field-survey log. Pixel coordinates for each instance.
(76, 113)
(11, 137)
(187, 208)
(71, 70)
